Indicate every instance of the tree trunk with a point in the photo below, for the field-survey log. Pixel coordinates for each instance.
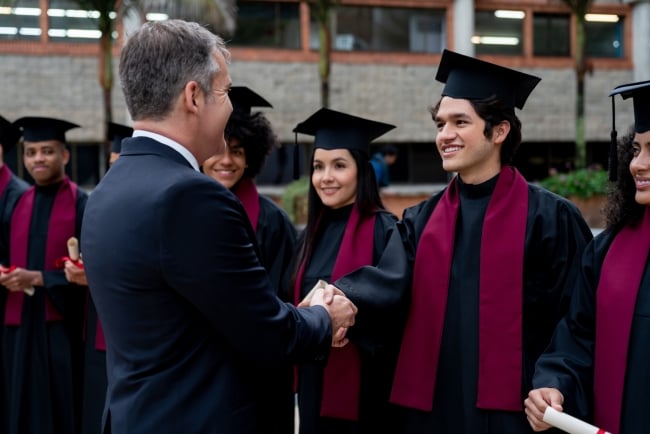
(106, 77)
(581, 70)
(324, 51)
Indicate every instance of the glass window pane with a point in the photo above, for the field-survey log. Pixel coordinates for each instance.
(267, 24)
(495, 35)
(21, 22)
(551, 35)
(604, 39)
(69, 22)
(385, 29)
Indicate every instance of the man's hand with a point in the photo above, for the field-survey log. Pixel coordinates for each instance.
(20, 280)
(536, 403)
(74, 273)
(328, 293)
(341, 310)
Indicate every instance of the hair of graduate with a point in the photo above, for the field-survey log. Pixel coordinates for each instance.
(160, 58)
(493, 112)
(255, 135)
(621, 208)
(367, 201)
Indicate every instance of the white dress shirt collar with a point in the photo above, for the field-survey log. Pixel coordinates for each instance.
(172, 144)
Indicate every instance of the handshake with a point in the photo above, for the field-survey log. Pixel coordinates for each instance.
(341, 310)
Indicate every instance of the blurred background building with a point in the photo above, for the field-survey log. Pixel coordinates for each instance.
(384, 58)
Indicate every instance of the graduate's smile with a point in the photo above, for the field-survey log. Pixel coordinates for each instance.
(334, 177)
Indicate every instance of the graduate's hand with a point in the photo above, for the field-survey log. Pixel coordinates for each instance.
(21, 279)
(329, 292)
(75, 273)
(342, 313)
(536, 403)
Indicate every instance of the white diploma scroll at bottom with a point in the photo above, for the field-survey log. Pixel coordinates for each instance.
(569, 423)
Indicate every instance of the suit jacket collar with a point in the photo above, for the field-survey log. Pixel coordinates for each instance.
(148, 146)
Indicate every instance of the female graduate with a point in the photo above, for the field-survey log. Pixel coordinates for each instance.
(249, 139)
(596, 367)
(347, 229)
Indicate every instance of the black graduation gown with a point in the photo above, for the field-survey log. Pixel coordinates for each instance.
(94, 378)
(8, 198)
(276, 238)
(568, 362)
(42, 362)
(376, 331)
(556, 234)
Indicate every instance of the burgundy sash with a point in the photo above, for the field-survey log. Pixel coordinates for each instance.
(61, 226)
(341, 377)
(5, 177)
(615, 302)
(500, 300)
(246, 191)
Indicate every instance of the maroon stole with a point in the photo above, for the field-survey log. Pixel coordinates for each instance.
(61, 226)
(5, 177)
(615, 302)
(342, 374)
(500, 300)
(246, 191)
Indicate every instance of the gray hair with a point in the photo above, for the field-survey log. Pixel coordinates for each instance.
(160, 58)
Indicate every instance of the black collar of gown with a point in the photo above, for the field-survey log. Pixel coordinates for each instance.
(477, 191)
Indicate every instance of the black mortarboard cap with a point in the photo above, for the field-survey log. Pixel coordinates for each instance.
(640, 94)
(336, 130)
(115, 133)
(38, 129)
(243, 99)
(470, 78)
(9, 134)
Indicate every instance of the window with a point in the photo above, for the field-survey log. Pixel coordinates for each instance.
(385, 29)
(68, 22)
(498, 32)
(21, 22)
(267, 24)
(551, 35)
(604, 36)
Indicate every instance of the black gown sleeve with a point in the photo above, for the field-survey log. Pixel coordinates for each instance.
(380, 292)
(567, 363)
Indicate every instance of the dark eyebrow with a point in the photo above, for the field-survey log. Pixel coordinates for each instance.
(453, 116)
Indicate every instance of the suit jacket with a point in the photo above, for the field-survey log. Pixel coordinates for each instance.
(187, 309)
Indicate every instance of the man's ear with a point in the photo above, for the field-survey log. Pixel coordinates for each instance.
(191, 94)
(501, 131)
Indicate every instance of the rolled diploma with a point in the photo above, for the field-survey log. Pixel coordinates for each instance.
(73, 248)
(568, 423)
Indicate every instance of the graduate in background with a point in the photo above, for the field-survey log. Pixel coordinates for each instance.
(42, 351)
(597, 366)
(11, 188)
(94, 371)
(249, 139)
(491, 257)
(115, 133)
(348, 230)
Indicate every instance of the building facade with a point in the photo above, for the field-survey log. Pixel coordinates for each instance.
(384, 58)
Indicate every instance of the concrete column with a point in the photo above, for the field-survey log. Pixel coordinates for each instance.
(464, 26)
(641, 40)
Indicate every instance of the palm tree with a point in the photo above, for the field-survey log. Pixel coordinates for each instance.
(579, 9)
(321, 11)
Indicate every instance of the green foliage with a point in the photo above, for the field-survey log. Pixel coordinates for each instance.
(294, 199)
(583, 183)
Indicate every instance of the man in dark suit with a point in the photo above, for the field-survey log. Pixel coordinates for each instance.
(171, 259)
